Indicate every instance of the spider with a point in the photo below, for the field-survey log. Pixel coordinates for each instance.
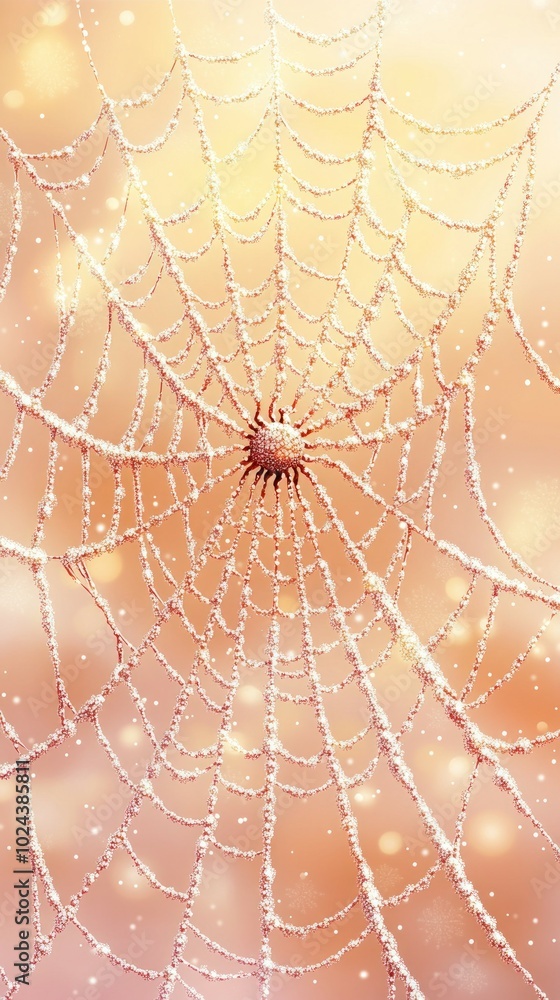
(274, 448)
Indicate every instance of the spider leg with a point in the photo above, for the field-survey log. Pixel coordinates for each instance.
(258, 474)
(271, 412)
(258, 419)
(296, 474)
(267, 476)
(250, 467)
(277, 479)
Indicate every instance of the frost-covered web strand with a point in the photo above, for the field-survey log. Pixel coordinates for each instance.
(328, 411)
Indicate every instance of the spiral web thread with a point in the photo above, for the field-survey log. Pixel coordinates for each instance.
(280, 536)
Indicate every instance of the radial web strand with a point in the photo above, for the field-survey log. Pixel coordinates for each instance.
(276, 475)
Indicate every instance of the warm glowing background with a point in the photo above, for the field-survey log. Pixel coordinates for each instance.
(450, 62)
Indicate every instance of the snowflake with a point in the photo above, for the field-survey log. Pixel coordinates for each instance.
(543, 500)
(50, 68)
(537, 523)
(440, 922)
(471, 979)
(432, 717)
(302, 896)
(426, 610)
(387, 879)
(17, 593)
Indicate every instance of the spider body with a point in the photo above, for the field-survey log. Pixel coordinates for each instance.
(275, 449)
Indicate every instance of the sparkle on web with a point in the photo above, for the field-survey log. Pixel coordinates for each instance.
(201, 380)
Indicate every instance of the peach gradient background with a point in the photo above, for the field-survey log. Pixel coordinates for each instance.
(473, 59)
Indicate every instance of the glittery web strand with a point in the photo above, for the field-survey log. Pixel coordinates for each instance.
(326, 429)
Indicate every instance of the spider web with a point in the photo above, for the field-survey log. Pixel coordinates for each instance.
(284, 590)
